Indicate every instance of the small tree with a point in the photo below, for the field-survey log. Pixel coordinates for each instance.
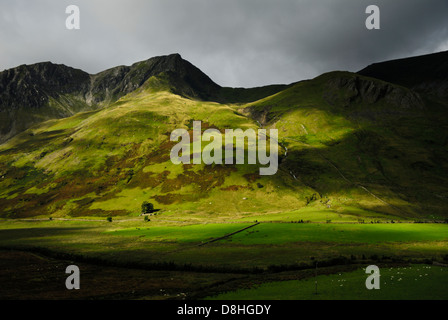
(147, 207)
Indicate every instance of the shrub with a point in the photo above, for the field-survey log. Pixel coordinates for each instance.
(147, 207)
(109, 219)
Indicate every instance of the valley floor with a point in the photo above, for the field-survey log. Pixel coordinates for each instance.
(129, 258)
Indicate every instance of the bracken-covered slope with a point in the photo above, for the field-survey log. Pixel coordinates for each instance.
(350, 145)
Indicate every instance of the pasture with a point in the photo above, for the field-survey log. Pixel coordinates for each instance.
(243, 250)
(413, 282)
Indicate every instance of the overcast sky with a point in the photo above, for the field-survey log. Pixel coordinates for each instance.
(238, 43)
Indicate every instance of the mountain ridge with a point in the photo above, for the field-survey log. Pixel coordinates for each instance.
(426, 74)
(31, 89)
(30, 94)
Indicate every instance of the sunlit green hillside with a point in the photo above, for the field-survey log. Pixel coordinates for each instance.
(349, 145)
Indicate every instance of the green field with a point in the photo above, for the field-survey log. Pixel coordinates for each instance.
(266, 254)
(193, 233)
(259, 246)
(414, 282)
(265, 234)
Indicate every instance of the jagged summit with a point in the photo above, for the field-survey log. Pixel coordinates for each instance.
(32, 85)
(187, 80)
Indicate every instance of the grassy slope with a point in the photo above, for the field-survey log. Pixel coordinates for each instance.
(109, 161)
(341, 144)
(337, 163)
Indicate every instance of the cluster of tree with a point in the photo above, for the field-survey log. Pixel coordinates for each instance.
(147, 207)
(300, 221)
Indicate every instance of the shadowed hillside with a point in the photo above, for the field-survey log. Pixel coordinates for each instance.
(426, 74)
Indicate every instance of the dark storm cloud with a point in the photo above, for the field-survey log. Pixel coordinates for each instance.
(237, 43)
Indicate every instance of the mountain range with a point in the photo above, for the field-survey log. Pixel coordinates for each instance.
(369, 145)
(30, 94)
